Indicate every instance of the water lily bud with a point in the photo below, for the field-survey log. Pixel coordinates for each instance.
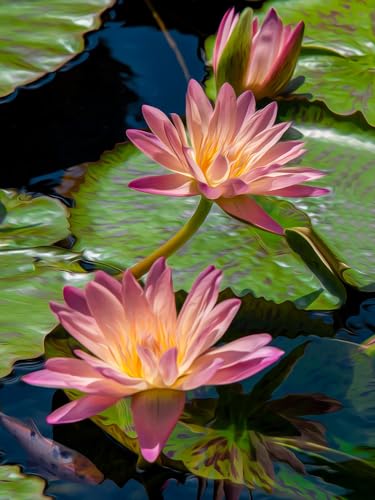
(257, 58)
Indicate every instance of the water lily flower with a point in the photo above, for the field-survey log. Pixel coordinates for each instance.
(140, 347)
(266, 55)
(229, 153)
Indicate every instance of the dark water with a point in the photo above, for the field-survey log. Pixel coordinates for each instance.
(72, 117)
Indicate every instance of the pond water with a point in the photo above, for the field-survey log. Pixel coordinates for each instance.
(307, 423)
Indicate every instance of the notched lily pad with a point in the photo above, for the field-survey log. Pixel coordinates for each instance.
(28, 221)
(338, 55)
(39, 36)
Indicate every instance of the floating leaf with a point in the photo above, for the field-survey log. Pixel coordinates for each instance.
(338, 58)
(14, 484)
(39, 36)
(118, 226)
(32, 279)
(346, 218)
(31, 221)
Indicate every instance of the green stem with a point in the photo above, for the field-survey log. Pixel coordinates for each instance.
(181, 237)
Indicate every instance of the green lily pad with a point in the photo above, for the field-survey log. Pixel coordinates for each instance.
(338, 55)
(345, 150)
(28, 221)
(14, 484)
(119, 226)
(32, 279)
(39, 36)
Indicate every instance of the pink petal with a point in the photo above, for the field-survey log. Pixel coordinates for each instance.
(256, 123)
(137, 310)
(283, 178)
(245, 109)
(156, 120)
(177, 122)
(218, 172)
(209, 192)
(155, 414)
(239, 371)
(264, 49)
(84, 329)
(107, 281)
(247, 210)
(160, 295)
(300, 191)
(80, 409)
(76, 299)
(199, 302)
(222, 124)
(109, 315)
(264, 141)
(281, 153)
(211, 330)
(166, 185)
(201, 376)
(168, 366)
(226, 27)
(152, 147)
(198, 113)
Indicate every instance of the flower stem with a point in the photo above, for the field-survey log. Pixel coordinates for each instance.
(173, 244)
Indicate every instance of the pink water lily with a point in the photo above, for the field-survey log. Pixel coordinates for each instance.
(229, 153)
(271, 55)
(141, 347)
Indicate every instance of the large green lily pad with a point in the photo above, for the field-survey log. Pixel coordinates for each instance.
(345, 149)
(39, 36)
(32, 278)
(116, 225)
(120, 226)
(338, 56)
(27, 221)
(14, 484)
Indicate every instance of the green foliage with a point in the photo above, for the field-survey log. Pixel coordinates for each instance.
(338, 56)
(15, 485)
(27, 221)
(39, 36)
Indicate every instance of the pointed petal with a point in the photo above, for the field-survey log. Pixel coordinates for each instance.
(198, 113)
(112, 284)
(211, 330)
(218, 171)
(226, 27)
(168, 366)
(80, 409)
(160, 295)
(300, 191)
(166, 185)
(201, 376)
(281, 153)
(76, 299)
(152, 147)
(283, 178)
(241, 370)
(155, 414)
(247, 210)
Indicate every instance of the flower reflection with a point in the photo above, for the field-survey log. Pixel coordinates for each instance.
(141, 348)
(231, 153)
(266, 55)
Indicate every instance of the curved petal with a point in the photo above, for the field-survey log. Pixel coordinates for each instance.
(75, 298)
(152, 147)
(213, 327)
(300, 191)
(107, 281)
(201, 376)
(199, 302)
(198, 113)
(226, 27)
(160, 295)
(168, 366)
(281, 153)
(155, 414)
(283, 178)
(247, 210)
(239, 371)
(166, 185)
(80, 409)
